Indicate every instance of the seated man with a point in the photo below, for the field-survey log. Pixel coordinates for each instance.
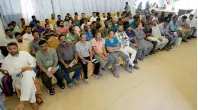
(68, 60)
(20, 64)
(85, 23)
(40, 29)
(88, 33)
(144, 46)
(9, 36)
(47, 60)
(164, 29)
(105, 29)
(125, 47)
(173, 25)
(23, 25)
(24, 45)
(114, 26)
(48, 22)
(28, 35)
(61, 30)
(48, 33)
(72, 35)
(34, 46)
(98, 45)
(33, 22)
(85, 54)
(192, 22)
(156, 36)
(184, 28)
(113, 47)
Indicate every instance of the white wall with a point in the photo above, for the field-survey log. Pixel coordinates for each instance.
(2, 35)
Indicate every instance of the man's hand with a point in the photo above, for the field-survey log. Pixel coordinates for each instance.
(104, 58)
(49, 74)
(53, 70)
(66, 66)
(26, 69)
(87, 61)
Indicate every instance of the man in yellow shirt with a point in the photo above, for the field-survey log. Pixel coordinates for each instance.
(53, 20)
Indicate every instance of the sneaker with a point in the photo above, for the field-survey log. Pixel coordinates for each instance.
(135, 62)
(86, 81)
(129, 70)
(116, 75)
(76, 82)
(62, 86)
(96, 76)
(70, 85)
(136, 67)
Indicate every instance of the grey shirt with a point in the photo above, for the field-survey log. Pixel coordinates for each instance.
(47, 60)
(66, 52)
(83, 49)
(34, 47)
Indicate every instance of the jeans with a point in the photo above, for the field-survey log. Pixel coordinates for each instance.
(76, 76)
(102, 62)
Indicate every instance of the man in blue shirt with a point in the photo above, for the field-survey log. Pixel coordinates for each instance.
(174, 27)
(33, 22)
(88, 33)
(38, 27)
(113, 47)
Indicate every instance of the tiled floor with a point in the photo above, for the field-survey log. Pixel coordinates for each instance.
(165, 81)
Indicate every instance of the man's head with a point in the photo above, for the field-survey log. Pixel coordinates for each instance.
(76, 13)
(175, 18)
(104, 15)
(154, 22)
(43, 45)
(72, 30)
(162, 14)
(28, 29)
(191, 16)
(18, 37)
(83, 15)
(86, 28)
(94, 24)
(98, 14)
(82, 37)
(34, 18)
(9, 33)
(120, 28)
(166, 23)
(38, 23)
(156, 14)
(126, 3)
(22, 20)
(184, 18)
(66, 18)
(108, 14)
(85, 20)
(11, 26)
(62, 39)
(98, 35)
(94, 14)
(170, 15)
(35, 35)
(13, 48)
(106, 23)
(74, 23)
(129, 28)
(47, 27)
(111, 34)
(53, 16)
(13, 23)
(118, 13)
(46, 21)
(59, 17)
(61, 23)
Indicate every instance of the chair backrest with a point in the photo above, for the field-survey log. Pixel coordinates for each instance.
(53, 42)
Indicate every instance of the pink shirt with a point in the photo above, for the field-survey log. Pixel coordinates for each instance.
(98, 44)
(62, 30)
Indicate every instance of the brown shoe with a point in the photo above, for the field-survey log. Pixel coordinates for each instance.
(34, 106)
(136, 67)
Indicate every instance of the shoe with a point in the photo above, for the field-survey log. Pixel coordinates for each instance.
(129, 70)
(70, 85)
(96, 76)
(86, 81)
(136, 67)
(62, 86)
(166, 49)
(116, 75)
(135, 61)
(184, 40)
(52, 91)
(76, 82)
(34, 106)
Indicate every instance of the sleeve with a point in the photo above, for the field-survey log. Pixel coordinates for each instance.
(32, 49)
(93, 43)
(106, 43)
(77, 47)
(38, 59)
(55, 57)
(116, 41)
(6, 66)
(59, 55)
(30, 60)
(90, 48)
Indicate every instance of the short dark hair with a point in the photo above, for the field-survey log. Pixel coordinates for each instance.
(81, 34)
(17, 33)
(82, 13)
(97, 19)
(46, 20)
(60, 36)
(191, 15)
(22, 19)
(120, 25)
(93, 22)
(184, 17)
(58, 15)
(13, 22)
(7, 30)
(75, 13)
(10, 24)
(175, 16)
(41, 42)
(28, 27)
(12, 44)
(33, 16)
(34, 32)
(37, 21)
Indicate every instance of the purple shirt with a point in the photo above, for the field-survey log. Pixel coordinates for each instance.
(39, 29)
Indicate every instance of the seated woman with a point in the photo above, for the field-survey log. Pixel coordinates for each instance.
(85, 54)
(113, 47)
(144, 46)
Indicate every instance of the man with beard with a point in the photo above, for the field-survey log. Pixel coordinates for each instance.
(22, 44)
(20, 64)
(28, 35)
(61, 30)
(48, 32)
(67, 54)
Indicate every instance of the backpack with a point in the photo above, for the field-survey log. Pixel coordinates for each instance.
(7, 85)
